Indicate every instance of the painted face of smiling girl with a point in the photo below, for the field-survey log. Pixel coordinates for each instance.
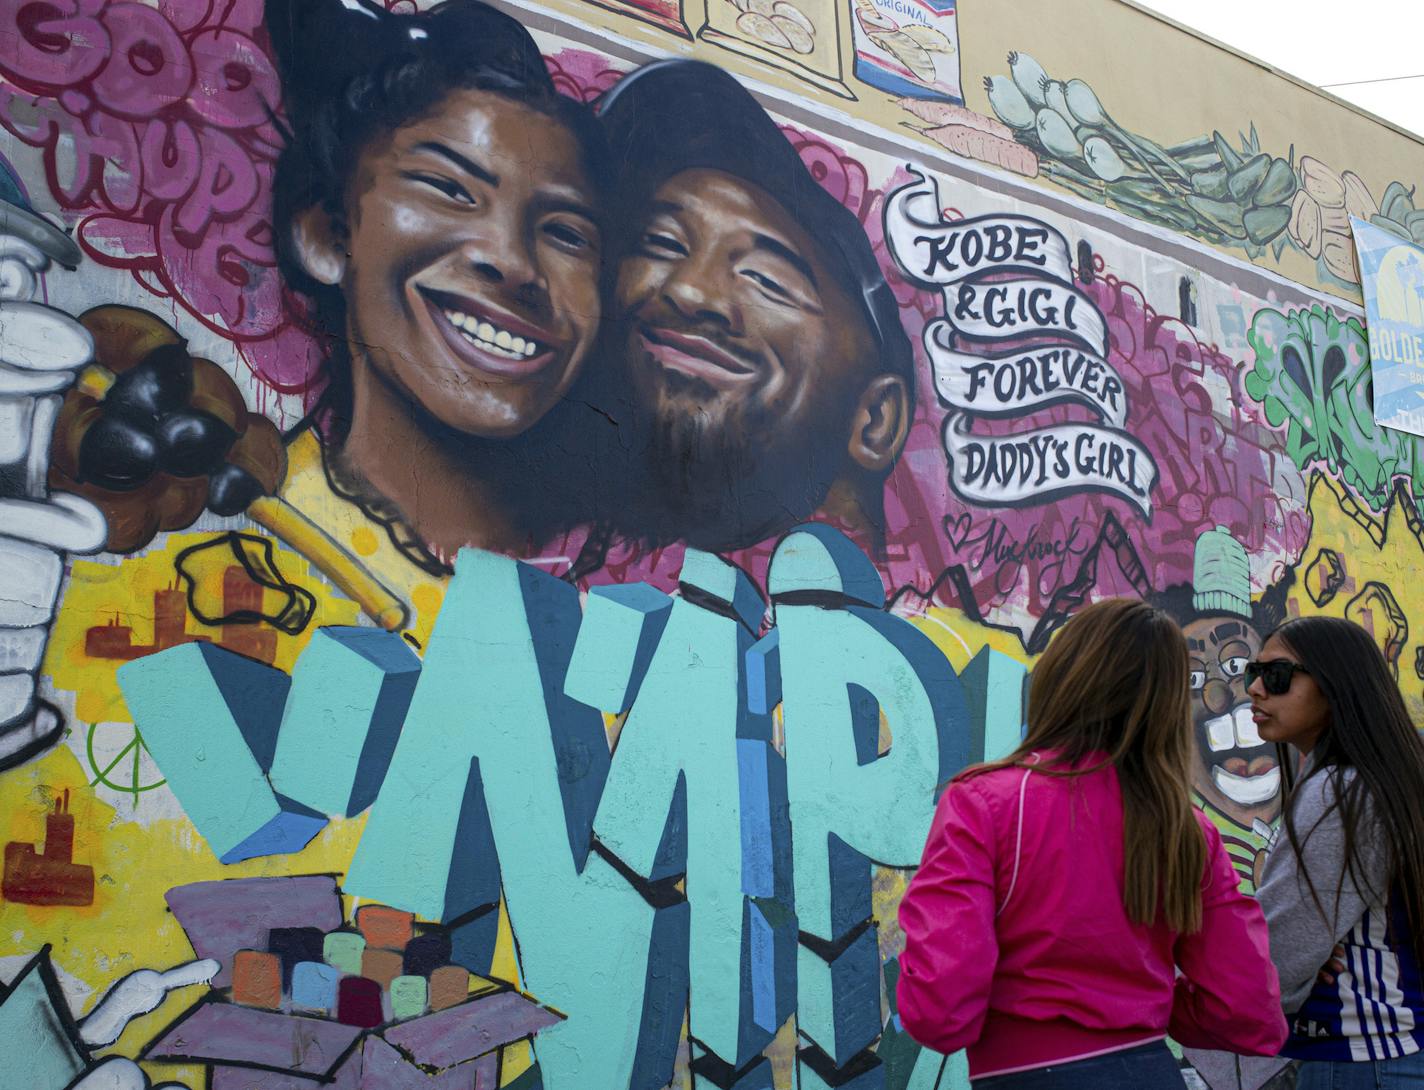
(470, 263)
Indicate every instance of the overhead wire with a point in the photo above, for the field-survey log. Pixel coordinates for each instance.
(1361, 82)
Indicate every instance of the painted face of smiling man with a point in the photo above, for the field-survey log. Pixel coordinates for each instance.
(469, 263)
(752, 363)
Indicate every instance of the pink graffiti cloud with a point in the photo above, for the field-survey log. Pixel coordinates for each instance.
(155, 129)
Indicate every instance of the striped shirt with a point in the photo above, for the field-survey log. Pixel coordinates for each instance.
(1375, 1008)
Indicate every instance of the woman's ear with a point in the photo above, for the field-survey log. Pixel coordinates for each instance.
(881, 424)
(320, 245)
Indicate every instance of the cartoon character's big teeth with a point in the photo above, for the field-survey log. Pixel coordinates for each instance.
(490, 338)
(1234, 730)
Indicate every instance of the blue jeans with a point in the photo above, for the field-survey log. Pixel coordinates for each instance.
(1145, 1067)
(1401, 1072)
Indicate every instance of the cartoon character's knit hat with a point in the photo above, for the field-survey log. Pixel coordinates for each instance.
(1221, 574)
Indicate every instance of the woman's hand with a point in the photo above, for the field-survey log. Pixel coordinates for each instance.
(1333, 967)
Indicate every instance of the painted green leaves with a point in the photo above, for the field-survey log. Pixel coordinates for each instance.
(1312, 376)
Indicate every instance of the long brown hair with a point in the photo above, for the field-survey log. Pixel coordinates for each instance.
(1114, 681)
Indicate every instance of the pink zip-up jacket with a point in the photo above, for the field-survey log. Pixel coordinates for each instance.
(1018, 947)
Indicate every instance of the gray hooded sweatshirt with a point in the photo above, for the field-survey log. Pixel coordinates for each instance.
(1304, 934)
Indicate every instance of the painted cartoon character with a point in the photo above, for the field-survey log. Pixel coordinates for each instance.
(59, 1049)
(40, 354)
(1236, 774)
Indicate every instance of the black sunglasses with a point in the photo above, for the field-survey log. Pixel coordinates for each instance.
(1275, 675)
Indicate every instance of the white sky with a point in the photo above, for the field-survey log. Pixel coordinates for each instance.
(1326, 42)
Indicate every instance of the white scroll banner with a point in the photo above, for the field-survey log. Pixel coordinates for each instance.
(936, 254)
(1013, 309)
(1025, 381)
(1037, 466)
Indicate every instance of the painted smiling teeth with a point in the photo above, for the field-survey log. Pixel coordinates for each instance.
(1247, 790)
(489, 338)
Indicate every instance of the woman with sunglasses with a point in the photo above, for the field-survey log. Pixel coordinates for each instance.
(1343, 887)
(1072, 908)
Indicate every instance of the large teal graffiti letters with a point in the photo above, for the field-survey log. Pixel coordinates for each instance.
(501, 783)
(210, 719)
(490, 704)
(845, 663)
(994, 688)
(350, 691)
(690, 727)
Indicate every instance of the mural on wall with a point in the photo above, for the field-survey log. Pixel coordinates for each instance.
(1236, 774)
(971, 259)
(42, 350)
(503, 543)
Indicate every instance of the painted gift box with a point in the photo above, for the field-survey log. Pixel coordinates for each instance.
(248, 1048)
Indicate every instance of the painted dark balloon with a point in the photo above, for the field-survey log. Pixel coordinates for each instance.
(231, 489)
(192, 444)
(118, 454)
(160, 383)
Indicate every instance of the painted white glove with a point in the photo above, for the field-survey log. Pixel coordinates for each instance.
(41, 351)
(117, 1073)
(136, 994)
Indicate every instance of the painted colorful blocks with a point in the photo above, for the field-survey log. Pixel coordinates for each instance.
(379, 1009)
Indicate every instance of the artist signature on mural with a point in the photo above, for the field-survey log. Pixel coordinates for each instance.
(989, 546)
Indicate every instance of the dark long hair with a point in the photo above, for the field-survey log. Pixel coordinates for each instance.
(1114, 681)
(1370, 731)
(351, 73)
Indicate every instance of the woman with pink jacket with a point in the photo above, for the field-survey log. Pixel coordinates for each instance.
(1072, 908)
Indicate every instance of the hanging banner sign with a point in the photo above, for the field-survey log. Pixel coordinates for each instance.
(1039, 466)
(1392, 279)
(1010, 279)
(1022, 382)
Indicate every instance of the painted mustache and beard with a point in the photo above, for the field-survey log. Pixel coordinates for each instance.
(723, 473)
